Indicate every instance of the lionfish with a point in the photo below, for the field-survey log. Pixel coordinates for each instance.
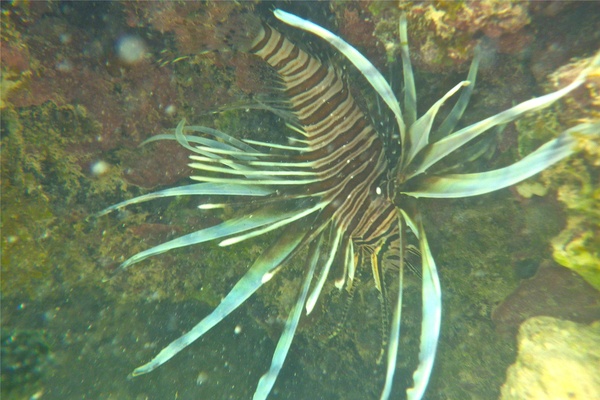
(335, 191)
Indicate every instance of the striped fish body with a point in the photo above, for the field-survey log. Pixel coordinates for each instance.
(328, 192)
(325, 193)
(342, 147)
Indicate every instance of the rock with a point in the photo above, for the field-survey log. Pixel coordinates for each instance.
(557, 360)
(554, 291)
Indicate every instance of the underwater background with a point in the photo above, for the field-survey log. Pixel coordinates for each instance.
(84, 83)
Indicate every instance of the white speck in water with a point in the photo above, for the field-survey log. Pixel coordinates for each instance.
(65, 38)
(130, 49)
(64, 66)
(202, 378)
(237, 330)
(99, 167)
(50, 315)
(12, 239)
(378, 190)
(37, 395)
(170, 109)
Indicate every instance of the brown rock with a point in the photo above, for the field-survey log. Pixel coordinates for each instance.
(554, 291)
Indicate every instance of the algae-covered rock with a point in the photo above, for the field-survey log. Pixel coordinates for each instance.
(574, 182)
(557, 360)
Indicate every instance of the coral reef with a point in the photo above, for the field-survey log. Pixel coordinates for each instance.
(557, 359)
(444, 33)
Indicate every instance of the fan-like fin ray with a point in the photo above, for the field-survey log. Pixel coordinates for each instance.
(214, 146)
(283, 164)
(239, 155)
(455, 115)
(440, 149)
(267, 182)
(248, 172)
(276, 224)
(276, 146)
(314, 295)
(196, 189)
(351, 265)
(410, 92)
(224, 229)
(269, 260)
(207, 151)
(266, 382)
(183, 140)
(392, 351)
(298, 129)
(231, 145)
(464, 185)
(418, 133)
(348, 256)
(432, 312)
(223, 136)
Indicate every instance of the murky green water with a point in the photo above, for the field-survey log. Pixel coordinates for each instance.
(75, 108)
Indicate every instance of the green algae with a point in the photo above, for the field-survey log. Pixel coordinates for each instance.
(50, 239)
(48, 243)
(537, 130)
(39, 179)
(573, 182)
(576, 247)
(10, 81)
